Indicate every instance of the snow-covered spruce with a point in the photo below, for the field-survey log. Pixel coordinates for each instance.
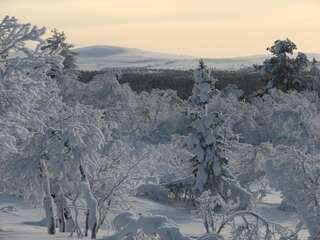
(209, 141)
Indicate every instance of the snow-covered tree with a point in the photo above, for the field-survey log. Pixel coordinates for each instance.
(213, 211)
(285, 71)
(47, 201)
(27, 93)
(210, 140)
(42, 132)
(289, 119)
(315, 75)
(58, 42)
(296, 173)
(203, 84)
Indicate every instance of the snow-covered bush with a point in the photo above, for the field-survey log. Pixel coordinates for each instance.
(150, 225)
(154, 192)
(142, 118)
(211, 236)
(248, 225)
(212, 210)
(290, 118)
(296, 173)
(142, 236)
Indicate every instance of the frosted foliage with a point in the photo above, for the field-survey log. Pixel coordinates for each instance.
(144, 117)
(296, 173)
(166, 162)
(205, 149)
(29, 99)
(286, 73)
(211, 210)
(282, 47)
(248, 167)
(290, 119)
(128, 224)
(210, 141)
(203, 82)
(15, 35)
(211, 144)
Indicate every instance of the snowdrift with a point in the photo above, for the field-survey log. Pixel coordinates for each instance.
(128, 224)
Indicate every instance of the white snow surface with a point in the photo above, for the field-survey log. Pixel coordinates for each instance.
(23, 222)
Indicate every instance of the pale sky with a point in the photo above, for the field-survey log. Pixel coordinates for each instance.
(206, 28)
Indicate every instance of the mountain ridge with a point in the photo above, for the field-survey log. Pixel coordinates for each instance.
(98, 57)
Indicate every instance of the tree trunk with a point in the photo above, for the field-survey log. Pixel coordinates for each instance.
(62, 222)
(92, 203)
(94, 231)
(87, 224)
(47, 201)
(61, 204)
(69, 221)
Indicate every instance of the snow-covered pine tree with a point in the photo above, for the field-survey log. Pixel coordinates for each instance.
(202, 88)
(209, 141)
(284, 71)
(58, 41)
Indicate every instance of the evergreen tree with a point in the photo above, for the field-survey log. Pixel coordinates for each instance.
(58, 42)
(285, 71)
(209, 141)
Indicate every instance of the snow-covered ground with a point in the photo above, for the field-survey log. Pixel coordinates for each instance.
(22, 222)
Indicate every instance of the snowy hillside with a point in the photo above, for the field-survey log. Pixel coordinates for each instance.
(99, 57)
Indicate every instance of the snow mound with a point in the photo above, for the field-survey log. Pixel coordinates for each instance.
(129, 224)
(153, 192)
(122, 220)
(286, 207)
(40, 223)
(8, 209)
(211, 236)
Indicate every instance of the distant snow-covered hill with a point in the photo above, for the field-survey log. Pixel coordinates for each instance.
(100, 57)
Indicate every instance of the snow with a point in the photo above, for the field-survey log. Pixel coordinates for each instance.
(210, 237)
(46, 134)
(154, 192)
(23, 224)
(160, 225)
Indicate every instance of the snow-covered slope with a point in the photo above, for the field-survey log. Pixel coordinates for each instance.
(99, 57)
